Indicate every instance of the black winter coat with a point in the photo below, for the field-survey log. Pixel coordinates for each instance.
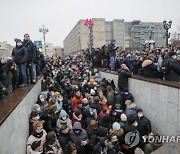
(123, 79)
(144, 126)
(174, 70)
(20, 55)
(29, 45)
(63, 139)
(150, 70)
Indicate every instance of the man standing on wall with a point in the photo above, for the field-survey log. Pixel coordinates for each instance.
(31, 66)
(112, 54)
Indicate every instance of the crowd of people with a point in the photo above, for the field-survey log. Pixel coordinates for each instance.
(155, 63)
(78, 112)
(22, 68)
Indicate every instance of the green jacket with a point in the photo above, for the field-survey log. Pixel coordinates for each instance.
(6, 80)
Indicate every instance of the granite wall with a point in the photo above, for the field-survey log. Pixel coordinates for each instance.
(15, 129)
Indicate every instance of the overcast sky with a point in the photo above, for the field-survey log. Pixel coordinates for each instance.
(60, 16)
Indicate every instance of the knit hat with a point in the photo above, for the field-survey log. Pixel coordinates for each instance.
(139, 110)
(35, 107)
(17, 40)
(35, 144)
(56, 94)
(116, 126)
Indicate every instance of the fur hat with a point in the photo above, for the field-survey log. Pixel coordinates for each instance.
(130, 104)
(151, 57)
(116, 126)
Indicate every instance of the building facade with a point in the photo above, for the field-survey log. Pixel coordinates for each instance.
(5, 49)
(128, 35)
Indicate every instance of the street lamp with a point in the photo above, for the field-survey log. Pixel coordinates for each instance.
(89, 23)
(44, 30)
(167, 26)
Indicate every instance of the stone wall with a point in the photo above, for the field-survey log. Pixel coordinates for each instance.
(160, 103)
(15, 129)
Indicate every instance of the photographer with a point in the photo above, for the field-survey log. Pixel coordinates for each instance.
(8, 78)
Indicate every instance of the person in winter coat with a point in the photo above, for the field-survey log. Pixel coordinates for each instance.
(150, 147)
(39, 134)
(31, 60)
(76, 98)
(117, 130)
(63, 119)
(112, 145)
(173, 73)
(79, 137)
(71, 148)
(112, 55)
(131, 109)
(150, 69)
(8, 78)
(52, 144)
(124, 74)
(19, 55)
(63, 136)
(110, 96)
(96, 134)
(144, 124)
(37, 147)
(125, 95)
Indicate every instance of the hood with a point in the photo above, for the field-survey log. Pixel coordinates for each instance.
(77, 125)
(63, 113)
(146, 63)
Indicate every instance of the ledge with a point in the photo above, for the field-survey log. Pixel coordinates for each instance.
(153, 80)
(10, 102)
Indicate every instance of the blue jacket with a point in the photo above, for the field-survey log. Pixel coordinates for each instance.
(20, 55)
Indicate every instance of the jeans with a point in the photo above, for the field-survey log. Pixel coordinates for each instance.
(112, 63)
(22, 73)
(31, 71)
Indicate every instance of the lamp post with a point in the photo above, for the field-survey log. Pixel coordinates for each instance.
(89, 23)
(44, 30)
(167, 26)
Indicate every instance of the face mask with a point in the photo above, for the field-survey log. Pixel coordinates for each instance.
(126, 93)
(37, 117)
(19, 44)
(174, 57)
(140, 115)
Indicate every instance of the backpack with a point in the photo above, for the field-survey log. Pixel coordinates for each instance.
(165, 66)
